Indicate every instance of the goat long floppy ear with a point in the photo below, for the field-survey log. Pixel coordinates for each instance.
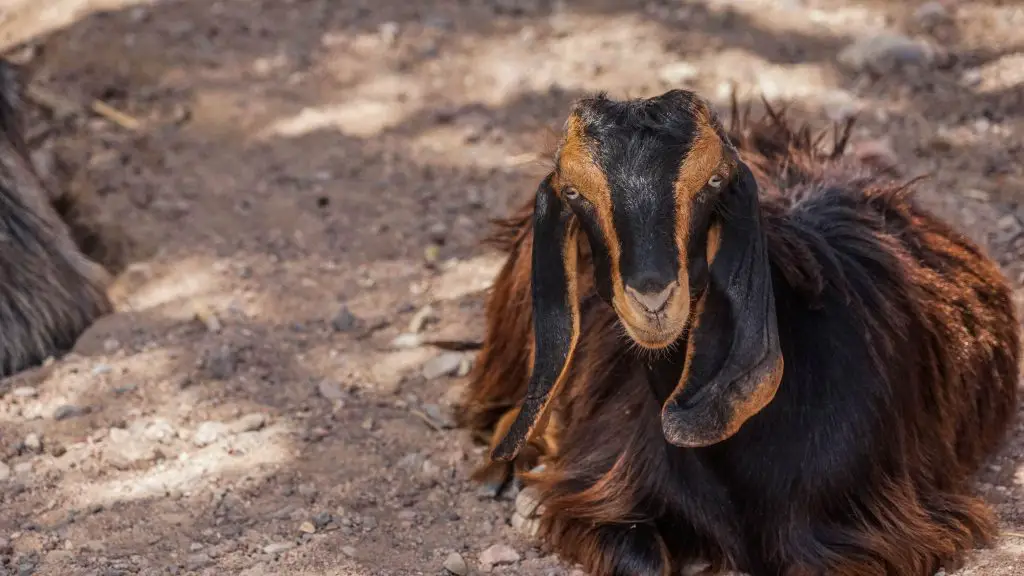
(556, 315)
(734, 360)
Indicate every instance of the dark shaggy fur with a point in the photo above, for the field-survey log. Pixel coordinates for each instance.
(902, 351)
(49, 291)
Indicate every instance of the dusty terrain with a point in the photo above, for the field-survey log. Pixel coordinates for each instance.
(308, 182)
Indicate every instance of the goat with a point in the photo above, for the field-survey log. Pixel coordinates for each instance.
(50, 292)
(757, 355)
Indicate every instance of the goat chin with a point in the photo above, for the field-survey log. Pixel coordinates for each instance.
(902, 354)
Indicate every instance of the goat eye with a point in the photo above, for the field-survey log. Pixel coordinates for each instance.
(571, 193)
(715, 181)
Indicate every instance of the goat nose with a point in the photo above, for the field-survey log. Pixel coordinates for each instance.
(653, 300)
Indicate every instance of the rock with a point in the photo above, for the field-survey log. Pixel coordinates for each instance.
(445, 364)
(330, 390)
(100, 369)
(497, 555)
(931, 14)
(33, 443)
(322, 519)
(67, 411)
(278, 548)
(529, 527)
(209, 432)
(528, 502)
(348, 551)
(878, 153)
(198, 561)
(437, 232)
(25, 392)
(345, 321)
(124, 449)
(249, 423)
(886, 52)
(439, 417)
(110, 345)
(407, 341)
(307, 528)
(420, 320)
(5, 472)
(160, 430)
(456, 565)
(677, 73)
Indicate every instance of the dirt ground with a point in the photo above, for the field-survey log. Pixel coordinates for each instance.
(307, 186)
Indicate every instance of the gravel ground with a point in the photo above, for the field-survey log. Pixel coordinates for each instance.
(304, 195)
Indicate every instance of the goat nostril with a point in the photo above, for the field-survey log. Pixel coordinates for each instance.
(652, 301)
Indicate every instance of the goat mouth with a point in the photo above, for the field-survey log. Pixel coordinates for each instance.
(656, 334)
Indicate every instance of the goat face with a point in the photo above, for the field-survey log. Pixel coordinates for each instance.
(672, 217)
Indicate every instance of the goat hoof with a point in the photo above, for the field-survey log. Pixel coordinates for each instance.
(528, 527)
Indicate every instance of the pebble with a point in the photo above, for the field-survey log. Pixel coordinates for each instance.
(885, 52)
(438, 416)
(445, 364)
(101, 369)
(499, 554)
(322, 519)
(25, 392)
(455, 564)
(209, 432)
(407, 341)
(197, 561)
(330, 390)
(278, 547)
(307, 528)
(67, 411)
(677, 73)
(110, 345)
(931, 14)
(34, 443)
(348, 551)
(249, 423)
(345, 321)
(124, 449)
(159, 430)
(5, 472)
(420, 320)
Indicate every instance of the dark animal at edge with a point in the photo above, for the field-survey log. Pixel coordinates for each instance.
(50, 292)
(757, 355)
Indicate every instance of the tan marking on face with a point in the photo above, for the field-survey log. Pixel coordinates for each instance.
(577, 168)
(714, 241)
(703, 159)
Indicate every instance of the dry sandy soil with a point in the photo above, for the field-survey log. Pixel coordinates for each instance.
(309, 181)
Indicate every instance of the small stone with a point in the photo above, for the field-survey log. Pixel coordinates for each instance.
(278, 547)
(125, 449)
(348, 551)
(198, 561)
(209, 432)
(456, 565)
(529, 527)
(438, 416)
(437, 232)
(407, 515)
(5, 472)
(111, 345)
(101, 369)
(307, 528)
(25, 392)
(330, 390)
(445, 364)
(321, 520)
(33, 443)
(886, 52)
(432, 253)
(499, 554)
(249, 423)
(677, 73)
(160, 430)
(56, 449)
(345, 321)
(419, 321)
(406, 341)
(931, 14)
(67, 411)
(368, 424)
(878, 153)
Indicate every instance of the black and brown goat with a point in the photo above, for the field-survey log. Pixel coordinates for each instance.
(49, 291)
(756, 355)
